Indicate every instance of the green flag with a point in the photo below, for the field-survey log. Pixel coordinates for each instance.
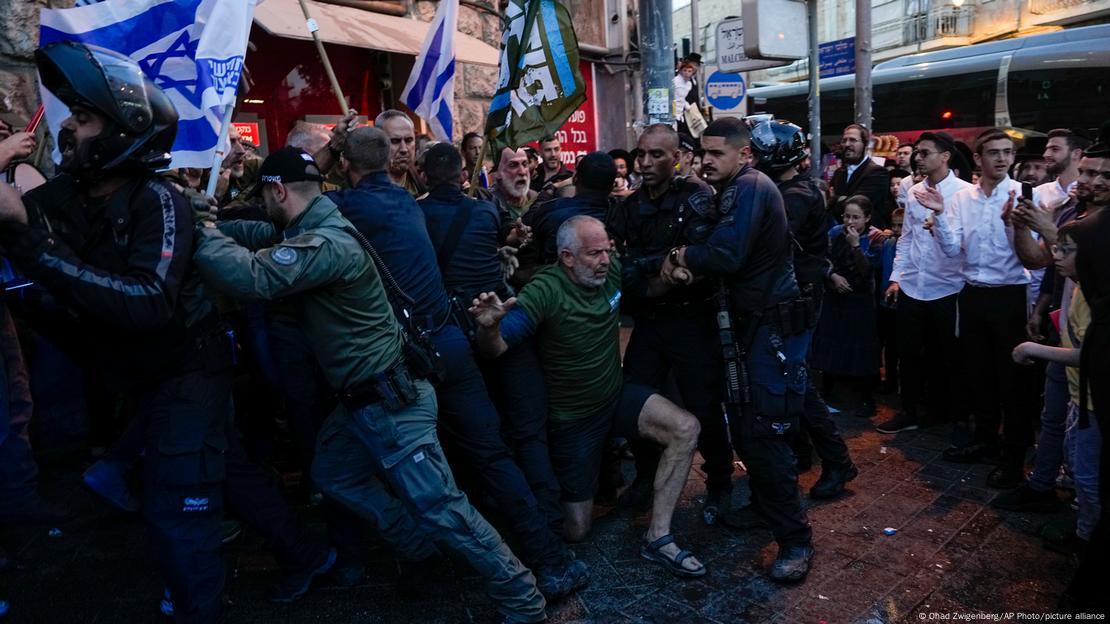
(539, 85)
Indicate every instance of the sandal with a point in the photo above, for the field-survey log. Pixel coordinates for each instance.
(651, 552)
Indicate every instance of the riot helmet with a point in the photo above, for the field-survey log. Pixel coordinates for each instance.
(140, 121)
(777, 144)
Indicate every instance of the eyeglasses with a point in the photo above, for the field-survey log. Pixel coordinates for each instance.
(1063, 250)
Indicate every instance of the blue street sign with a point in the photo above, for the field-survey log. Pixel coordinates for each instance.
(725, 91)
(838, 57)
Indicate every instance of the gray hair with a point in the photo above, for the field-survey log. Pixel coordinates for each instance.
(568, 237)
(392, 113)
(367, 149)
(310, 137)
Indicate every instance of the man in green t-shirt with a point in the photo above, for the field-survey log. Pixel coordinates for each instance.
(572, 307)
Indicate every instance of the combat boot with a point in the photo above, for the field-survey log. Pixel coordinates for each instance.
(792, 564)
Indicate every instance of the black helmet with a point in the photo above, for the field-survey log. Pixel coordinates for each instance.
(142, 122)
(778, 144)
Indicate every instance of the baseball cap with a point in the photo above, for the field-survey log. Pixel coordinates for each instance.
(289, 164)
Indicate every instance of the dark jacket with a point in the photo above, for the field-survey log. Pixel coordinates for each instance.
(870, 180)
(394, 224)
(809, 223)
(122, 270)
(474, 265)
(546, 218)
(750, 245)
(645, 229)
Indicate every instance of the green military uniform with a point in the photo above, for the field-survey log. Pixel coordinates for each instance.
(337, 295)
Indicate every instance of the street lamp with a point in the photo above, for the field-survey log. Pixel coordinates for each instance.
(957, 3)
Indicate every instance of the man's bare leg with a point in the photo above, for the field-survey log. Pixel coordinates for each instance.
(677, 431)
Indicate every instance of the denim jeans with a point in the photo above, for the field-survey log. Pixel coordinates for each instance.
(1083, 449)
(1050, 444)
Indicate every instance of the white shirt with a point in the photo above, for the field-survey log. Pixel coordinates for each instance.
(977, 231)
(904, 190)
(682, 88)
(1052, 194)
(921, 268)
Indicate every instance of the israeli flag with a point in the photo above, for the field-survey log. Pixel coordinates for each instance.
(192, 49)
(430, 91)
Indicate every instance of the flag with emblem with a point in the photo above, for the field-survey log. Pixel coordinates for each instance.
(539, 84)
(430, 91)
(192, 49)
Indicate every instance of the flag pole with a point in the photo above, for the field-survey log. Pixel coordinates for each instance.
(218, 155)
(478, 169)
(313, 29)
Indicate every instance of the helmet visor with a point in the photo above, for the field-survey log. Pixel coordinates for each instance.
(126, 88)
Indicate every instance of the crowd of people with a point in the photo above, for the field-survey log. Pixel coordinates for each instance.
(441, 336)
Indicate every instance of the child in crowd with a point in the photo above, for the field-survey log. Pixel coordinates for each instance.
(888, 334)
(846, 343)
(1082, 438)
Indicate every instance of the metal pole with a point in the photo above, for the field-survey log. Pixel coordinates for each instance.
(657, 60)
(814, 91)
(694, 43)
(219, 154)
(863, 63)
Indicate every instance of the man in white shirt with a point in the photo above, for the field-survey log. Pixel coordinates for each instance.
(992, 309)
(925, 284)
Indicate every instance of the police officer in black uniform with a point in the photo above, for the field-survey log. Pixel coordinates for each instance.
(749, 254)
(112, 244)
(779, 149)
(674, 331)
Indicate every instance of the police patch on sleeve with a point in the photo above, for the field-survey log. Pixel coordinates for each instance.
(284, 256)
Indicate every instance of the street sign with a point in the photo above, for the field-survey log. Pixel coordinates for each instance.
(838, 57)
(730, 49)
(725, 91)
(777, 29)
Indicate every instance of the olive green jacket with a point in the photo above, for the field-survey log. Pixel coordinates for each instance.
(327, 279)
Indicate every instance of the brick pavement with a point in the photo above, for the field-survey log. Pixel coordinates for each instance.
(952, 553)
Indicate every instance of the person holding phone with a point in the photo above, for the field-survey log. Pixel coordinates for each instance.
(992, 309)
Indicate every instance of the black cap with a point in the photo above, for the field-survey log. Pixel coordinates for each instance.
(289, 164)
(688, 143)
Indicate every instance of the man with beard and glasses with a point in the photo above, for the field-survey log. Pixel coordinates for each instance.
(925, 283)
(573, 310)
(749, 254)
(112, 243)
(402, 150)
(859, 175)
(993, 309)
(1091, 193)
(673, 332)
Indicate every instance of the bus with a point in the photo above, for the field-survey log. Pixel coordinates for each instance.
(1029, 84)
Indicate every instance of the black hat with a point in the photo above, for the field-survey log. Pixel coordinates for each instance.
(688, 143)
(693, 57)
(289, 164)
(1032, 149)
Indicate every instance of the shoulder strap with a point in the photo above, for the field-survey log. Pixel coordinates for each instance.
(454, 236)
(392, 288)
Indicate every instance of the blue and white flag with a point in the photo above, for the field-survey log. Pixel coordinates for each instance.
(192, 49)
(430, 91)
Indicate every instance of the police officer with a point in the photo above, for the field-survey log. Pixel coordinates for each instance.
(385, 425)
(749, 251)
(674, 330)
(111, 243)
(593, 181)
(393, 222)
(464, 233)
(779, 148)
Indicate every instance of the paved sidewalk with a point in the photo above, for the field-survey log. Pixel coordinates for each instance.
(951, 554)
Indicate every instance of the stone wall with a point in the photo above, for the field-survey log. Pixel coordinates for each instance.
(19, 36)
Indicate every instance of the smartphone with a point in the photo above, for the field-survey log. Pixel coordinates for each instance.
(1027, 191)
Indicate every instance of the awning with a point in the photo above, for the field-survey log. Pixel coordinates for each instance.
(363, 29)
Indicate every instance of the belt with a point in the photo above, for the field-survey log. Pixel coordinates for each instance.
(372, 390)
